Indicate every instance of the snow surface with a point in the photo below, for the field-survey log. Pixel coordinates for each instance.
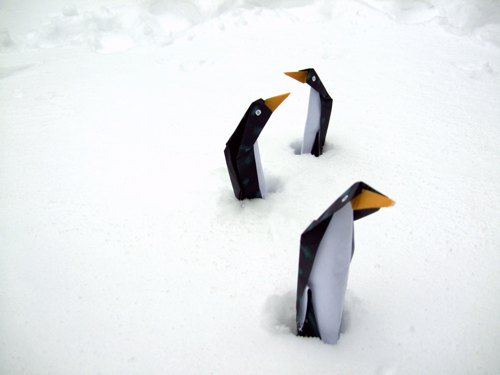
(122, 247)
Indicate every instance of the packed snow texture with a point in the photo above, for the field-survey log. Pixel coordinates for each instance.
(122, 247)
(111, 26)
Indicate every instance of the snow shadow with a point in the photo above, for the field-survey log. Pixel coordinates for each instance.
(6, 41)
(297, 145)
(328, 147)
(279, 314)
(274, 184)
(352, 305)
(7, 72)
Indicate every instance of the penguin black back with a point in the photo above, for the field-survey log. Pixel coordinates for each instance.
(241, 152)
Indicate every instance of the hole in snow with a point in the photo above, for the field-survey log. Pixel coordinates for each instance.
(274, 184)
(279, 313)
(296, 146)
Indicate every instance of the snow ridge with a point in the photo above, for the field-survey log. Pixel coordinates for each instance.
(109, 29)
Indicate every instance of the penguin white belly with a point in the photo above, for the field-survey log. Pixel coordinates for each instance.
(328, 279)
(260, 172)
(312, 122)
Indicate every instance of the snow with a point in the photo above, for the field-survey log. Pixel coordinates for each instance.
(122, 247)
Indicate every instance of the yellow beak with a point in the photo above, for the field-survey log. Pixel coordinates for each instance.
(275, 101)
(368, 199)
(300, 76)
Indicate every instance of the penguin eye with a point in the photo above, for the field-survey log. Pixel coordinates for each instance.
(258, 112)
(344, 198)
(314, 78)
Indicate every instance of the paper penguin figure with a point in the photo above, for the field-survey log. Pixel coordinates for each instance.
(242, 151)
(326, 249)
(318, 113)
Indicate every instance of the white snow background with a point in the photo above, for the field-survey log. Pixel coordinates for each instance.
(122, 247)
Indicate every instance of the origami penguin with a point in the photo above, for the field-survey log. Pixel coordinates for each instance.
(318, 113)
(242, 151)
(326, 250)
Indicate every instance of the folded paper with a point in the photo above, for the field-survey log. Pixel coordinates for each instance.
(242, 151)
(318, 112)
(326, 250)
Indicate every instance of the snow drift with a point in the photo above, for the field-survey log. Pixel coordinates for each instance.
(116, 27)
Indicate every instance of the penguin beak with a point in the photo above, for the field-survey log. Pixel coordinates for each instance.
(369, 200)
(300, 76)
(275, 101)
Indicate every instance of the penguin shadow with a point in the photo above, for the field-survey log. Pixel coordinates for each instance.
(279, 313)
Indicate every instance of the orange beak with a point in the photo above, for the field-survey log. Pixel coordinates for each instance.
(300, 76)
(275, 101)
(368, 199)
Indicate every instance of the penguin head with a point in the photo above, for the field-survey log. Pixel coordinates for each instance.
(308, 76)
(256, 116)
(261, 110)
(259, 113)
(365, 200)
